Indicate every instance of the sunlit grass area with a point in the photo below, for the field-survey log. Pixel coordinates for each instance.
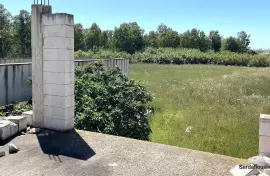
(221, 103)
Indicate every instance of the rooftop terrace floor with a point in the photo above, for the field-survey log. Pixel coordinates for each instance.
(94, 154)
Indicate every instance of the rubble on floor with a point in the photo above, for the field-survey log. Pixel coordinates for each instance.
(12, 148)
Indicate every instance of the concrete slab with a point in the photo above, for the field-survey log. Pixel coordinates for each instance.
(21, 121)
(29, 117)
(88, 153)
(7, 129)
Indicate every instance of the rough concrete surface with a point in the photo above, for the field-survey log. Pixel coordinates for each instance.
(94, 154)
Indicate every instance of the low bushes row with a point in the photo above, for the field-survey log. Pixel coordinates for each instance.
(183, 56)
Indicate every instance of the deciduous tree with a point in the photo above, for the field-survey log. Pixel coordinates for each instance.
(231, 44)
(215, 39)
(151, 39)
(244, 40)
(78, 37)
(92, 36)
(22, 36)
(128, 37)
(5, 32)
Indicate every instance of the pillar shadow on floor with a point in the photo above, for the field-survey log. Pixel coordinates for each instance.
(69, 144)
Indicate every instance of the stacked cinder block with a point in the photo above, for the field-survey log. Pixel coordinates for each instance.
(58, 71)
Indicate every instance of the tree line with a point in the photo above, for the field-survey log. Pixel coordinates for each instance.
(15, 37)
(129, 37)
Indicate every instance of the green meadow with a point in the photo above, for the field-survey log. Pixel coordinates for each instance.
(221, 103)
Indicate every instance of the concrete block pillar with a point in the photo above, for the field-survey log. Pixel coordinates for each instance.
(264, 135)
(37, 61)
(58, 70)
(54, 105)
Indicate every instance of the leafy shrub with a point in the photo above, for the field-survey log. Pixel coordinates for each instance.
(107, 102)
(15, 109)
(259, 62)
(29, 80)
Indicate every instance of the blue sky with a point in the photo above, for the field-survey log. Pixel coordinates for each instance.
(229, 17)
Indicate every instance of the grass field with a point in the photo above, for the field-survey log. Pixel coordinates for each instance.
(221, 103)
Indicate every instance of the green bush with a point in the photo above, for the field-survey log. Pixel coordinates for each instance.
(15, 109)
(108, 102)
(259, 62)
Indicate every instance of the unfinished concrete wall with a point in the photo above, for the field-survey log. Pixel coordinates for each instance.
(15, 88)
(58, 71)
(13, 83)
(37, 61)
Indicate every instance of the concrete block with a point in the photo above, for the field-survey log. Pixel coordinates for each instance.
(60, 125)
(264, 135)
(59, 89)
(59, 102)
(58, 43)
(58, 78)
(59, 54)
(70, 124)
(29, 117)
(7, 129)
(58, 66)
(59, 113)
(239, 170)
(21, 121)
(58, 31)
(264, 146)
(264, 128)
(55, 71)
(57, 18)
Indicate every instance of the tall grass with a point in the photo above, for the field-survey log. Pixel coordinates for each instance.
(222, 104)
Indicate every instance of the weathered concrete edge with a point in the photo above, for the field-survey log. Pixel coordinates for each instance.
(237, 160)
(21, 63)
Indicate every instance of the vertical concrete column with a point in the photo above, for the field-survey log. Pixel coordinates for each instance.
(37, 62)
(264, 135)
(58, 71)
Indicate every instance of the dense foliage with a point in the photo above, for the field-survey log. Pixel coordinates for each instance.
(183, 56)
(108, 102)
(15, 34)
